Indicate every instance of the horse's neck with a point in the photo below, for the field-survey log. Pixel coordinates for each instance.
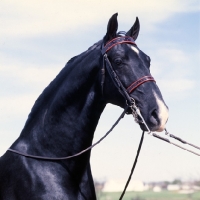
(64, 123)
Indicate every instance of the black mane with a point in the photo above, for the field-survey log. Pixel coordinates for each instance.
(95, 45)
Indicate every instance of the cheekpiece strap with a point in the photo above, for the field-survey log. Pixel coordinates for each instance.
(139, 82)
(115, 41)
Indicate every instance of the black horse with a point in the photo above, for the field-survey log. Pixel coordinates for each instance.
(64, 117)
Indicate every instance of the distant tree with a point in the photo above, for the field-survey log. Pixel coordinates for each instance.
(197, 183)
(165, 184)
(177, 181)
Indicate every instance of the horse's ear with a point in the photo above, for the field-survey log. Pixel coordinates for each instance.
(134, 31)
(111, 28)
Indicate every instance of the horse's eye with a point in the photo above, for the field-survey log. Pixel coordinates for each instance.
(118, 61)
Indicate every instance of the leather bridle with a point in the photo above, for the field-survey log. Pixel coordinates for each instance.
(106, 63)
(130, 104)
(125, 92)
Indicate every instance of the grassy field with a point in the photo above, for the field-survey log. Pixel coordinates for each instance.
(149, 195)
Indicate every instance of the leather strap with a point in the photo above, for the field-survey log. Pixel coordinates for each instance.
(75, 155)
(139, 82)
(116, 80)
(115, 41)
(113, 75)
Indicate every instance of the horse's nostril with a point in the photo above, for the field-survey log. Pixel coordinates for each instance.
(154, 117)
(155, 114)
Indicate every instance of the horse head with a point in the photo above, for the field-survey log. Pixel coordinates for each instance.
(132, 68)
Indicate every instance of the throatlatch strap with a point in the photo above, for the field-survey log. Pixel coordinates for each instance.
(139, 82)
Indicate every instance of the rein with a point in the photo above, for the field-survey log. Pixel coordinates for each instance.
(132, 87)
(130, 105)
(77, 154)
(125, 92)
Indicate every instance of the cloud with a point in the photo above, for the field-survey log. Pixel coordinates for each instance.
(18, 71)
(31, 54)
(31, 74)
(172, 72)
(178, 86)
(29, 18)
(18, 105)
(33, 18)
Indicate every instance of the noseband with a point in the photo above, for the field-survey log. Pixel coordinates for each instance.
(106, 63)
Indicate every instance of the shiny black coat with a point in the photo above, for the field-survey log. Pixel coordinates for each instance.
(63, 120)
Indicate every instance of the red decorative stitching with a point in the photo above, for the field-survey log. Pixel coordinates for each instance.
(129, 42)
(118, 40)
(125, 38)
(139, 82)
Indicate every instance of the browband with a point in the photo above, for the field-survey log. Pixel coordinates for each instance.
(115, 41)
(134, 85)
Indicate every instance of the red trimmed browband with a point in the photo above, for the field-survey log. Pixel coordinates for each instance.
(118, 40)
(139, 82)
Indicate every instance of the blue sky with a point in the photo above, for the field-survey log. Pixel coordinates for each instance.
(38, 38)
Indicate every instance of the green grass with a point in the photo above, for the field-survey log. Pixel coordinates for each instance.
(149, 195)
